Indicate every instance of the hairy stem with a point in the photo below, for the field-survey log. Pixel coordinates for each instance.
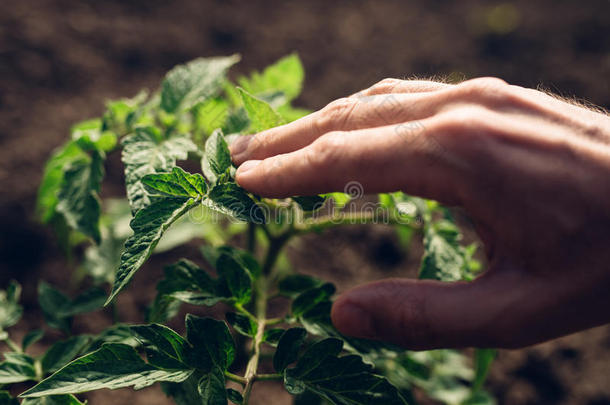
(236, 378)
(261, 288)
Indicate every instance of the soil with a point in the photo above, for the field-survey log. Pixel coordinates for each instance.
(60, 60)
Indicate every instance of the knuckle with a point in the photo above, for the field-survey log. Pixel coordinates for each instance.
(465, 121)
(483, 89)
(336, 114)
(385, 86)
(325, 151)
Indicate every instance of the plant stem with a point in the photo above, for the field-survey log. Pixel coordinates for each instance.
(269, 377)
(260, 310)
(251, 238)
(342, 218)
(234, 377)
(261, 287)
(12, 345)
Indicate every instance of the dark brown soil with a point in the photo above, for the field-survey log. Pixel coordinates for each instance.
(60, 60)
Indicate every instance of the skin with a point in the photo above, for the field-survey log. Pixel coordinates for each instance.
(532, 171)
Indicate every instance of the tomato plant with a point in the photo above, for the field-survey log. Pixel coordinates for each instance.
(194, 116)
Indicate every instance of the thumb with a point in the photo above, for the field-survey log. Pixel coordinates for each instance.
(425, 314)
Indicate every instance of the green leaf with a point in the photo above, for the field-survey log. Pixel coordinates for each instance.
(311, 203)
(212, 389)
(232, 200)
(443, 256)
(147, 152)
(63, 352)
(308, 299)
(262, 115)
(212, 342)
(235, 396)
(6, 399)
(288, 348)
(294, 284)
(236, 278)
(272, 336)
(286, 75)
(482, 362)
(164, 347)
(217, 158)
(52, 178)
(178, 183)
(17, 367)
(53, 400)
(211, 114)
(31, 338)
(10, 310)
(192, 83)
(112, 366)
(148, 226)
(186, 282)
(117, 333)
(58, 309)
(77, 198)
(245, 259)
(339, 380)
(242, 324)
(186, 392)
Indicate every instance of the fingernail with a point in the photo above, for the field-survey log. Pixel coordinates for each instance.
(353, 320)
(239, 145)
(247, 166)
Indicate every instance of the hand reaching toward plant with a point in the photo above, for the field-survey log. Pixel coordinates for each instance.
(531, 170)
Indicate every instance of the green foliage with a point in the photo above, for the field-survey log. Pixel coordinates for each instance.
(166, 206)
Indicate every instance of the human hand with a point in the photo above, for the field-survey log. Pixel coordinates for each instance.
(531, 170)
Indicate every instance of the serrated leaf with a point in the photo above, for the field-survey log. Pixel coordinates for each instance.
(295, 284)
(272, 336)
(58, 309)
(117, 333)
(242, 324)
(235, 277)
(31, 338)
(186, 392)
(235, 396)
(288, 348)
(443, 256)
(212, 342)
(286, 75)
(62, 352)
(339, 380)
(178, 183)
(77, 197)
(244, 258)
(262, 115)
(148, 226)
(53, 400)
(211, 114)
(10, 310)
(310, 203)
(212, 389)
(63, 157)
(146, 152)
(112, 366)
(186, 282)
(308, 299)
(217, 158)
(17, 367)
(192, 83)
(164, 347)
(232, 200)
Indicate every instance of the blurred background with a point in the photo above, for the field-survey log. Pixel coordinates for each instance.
(60, 61)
